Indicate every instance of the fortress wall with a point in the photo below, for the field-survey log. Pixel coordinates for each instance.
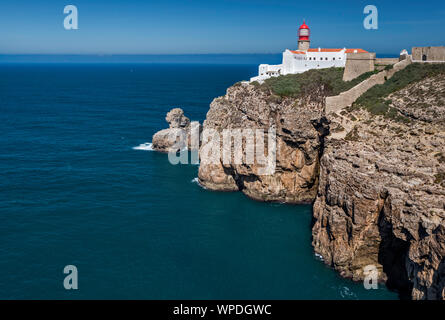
(347, 98)
(386, 61)
(357, 64)
(398, 66)
(381, 63)
(432, 53)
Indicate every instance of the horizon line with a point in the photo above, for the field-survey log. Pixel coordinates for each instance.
(138, 54)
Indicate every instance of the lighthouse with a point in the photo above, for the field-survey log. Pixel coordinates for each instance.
(303, 37)
(305, 58)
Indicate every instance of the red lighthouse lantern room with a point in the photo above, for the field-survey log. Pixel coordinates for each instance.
(303, 32)
(303, 37)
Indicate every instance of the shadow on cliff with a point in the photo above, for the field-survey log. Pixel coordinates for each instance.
(392, 256)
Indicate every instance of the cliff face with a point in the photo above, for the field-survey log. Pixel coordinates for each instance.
(299, 125)
(381, 198)
(374, 172)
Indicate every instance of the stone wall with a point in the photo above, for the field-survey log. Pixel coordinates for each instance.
(386, 61)
(381, 63)
(347, 98)
(303, 45)
(398, 66)
(431, 53)
(357, 64)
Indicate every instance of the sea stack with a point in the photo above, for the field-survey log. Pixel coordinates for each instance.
(177, 135)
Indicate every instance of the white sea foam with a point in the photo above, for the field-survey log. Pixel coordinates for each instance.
(347, 293)
(319, 256)
(144, 146)
(196, 180)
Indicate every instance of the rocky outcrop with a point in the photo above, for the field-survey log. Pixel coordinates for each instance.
(179, 125)
(422, 101)
(381, 198)
(300, 127)
(377, 182)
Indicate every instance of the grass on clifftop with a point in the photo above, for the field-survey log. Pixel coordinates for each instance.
(295, 85)
(373, 99)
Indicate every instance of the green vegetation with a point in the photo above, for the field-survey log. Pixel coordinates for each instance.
(296, 85)
(373, 99)
(383, 66)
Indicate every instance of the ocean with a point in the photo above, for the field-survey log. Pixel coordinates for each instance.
(80, 186)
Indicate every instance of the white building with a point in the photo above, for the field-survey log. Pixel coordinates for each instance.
(305, 58)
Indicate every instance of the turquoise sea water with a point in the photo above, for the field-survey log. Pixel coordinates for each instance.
(73, 190)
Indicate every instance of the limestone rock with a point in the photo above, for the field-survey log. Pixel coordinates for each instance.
(381, 197)
(299, 126)
(164, 140)
(178, 133)
(176, 119)
(377, 184)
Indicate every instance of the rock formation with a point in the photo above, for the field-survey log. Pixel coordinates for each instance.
(299, 129)
(377, 182)
(381, 198)
(179, 128)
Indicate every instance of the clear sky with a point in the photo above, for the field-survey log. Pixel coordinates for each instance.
(214, 26)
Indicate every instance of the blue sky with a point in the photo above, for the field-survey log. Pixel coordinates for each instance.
(214, 26)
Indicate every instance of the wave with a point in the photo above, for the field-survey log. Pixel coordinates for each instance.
(196, 180)
(319, 256)
(144, 146)
(347, 293)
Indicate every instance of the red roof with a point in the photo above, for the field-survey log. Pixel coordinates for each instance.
(358, 51)
(336, 50)
(304, 25)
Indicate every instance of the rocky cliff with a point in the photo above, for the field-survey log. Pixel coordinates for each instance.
(381, 198)
(375, 172)
(300, 127)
